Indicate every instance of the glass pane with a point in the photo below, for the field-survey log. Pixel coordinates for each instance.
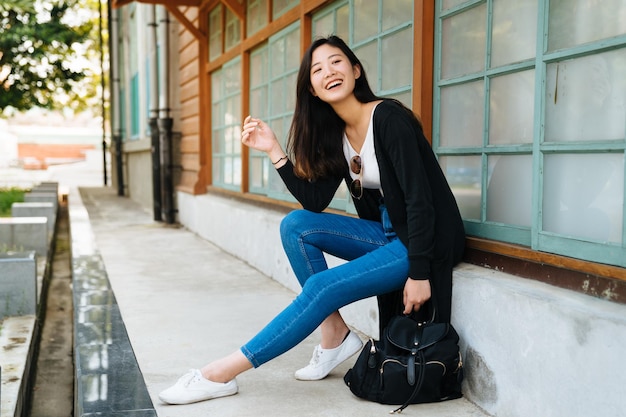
(585, 98)
(583, 195)
(256, 172)
(447, 4)
(256, 16)
(397, 60)
(511, 107)
(401, 12)
(404, 98)
(215, 30)
(217, 170)
(463, 175)
(232, 78)
(365, 19)
(368, 55)
(216, 85)
(228, 170)
(237, 170)
(292, 51)
(290, 88)
(277, 61)
(324, 26)
(463, 43)
(233, 30)
(462, 114)
(258, 68)
(278, 94)
(343, 25)
(258, 102)
(509, 189)
(281, 6)
(514, 31)
(575, 22)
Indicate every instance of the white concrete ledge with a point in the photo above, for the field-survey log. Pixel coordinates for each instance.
(530, 349)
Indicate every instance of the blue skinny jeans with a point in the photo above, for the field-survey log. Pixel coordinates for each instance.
(378, 264)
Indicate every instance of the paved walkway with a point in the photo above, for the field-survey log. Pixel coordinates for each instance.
(184, 302)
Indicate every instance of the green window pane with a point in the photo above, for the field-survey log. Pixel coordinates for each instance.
(368, 55)
(448, 4)
(463, 43)
(215, 32)
(279, 7)
(511, 108)
(134, 106)
(583, 195)
(335, 20)
(576, 22)
(462, 115)
(401, 12)
(509, 189)
(365, 19)
(256, 16)
(226, 123)
(233, 30)
(258, 67)
(585, 98)
(514, 31)
(464, 176)
(397, 60)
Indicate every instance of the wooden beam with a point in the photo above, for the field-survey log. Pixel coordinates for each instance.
(173, 3)
(423, 58)
(236, 8)
(180, 16)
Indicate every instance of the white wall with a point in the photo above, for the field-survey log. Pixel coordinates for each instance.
(530, 349)
(8, 145)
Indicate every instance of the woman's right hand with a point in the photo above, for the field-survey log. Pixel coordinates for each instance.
(258, 135)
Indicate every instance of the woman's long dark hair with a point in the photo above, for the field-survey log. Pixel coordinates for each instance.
(315, 136)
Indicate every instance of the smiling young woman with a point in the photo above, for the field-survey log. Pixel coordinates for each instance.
(405, 242)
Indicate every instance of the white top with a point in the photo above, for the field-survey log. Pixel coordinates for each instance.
(370, 175)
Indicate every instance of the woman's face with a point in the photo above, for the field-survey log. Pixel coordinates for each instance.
(332, 74)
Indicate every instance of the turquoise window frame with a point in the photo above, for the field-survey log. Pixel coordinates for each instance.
(134, 107)
(219, 128)
(271, 184)
(534, 236)
(276, 116)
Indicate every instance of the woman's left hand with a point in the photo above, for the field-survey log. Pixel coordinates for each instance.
(416, 293)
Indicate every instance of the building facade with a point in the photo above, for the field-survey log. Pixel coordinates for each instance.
(524, 103)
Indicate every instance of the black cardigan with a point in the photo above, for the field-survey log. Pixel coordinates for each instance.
(421, 206)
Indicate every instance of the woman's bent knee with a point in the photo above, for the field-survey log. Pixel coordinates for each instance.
(295, 222)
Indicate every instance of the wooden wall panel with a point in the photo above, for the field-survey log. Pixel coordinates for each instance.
(189, 54)
(190, 161)
(190, 108)
(188, 180)
(189, 84)
(190, 89)
(190, 126)
(189, 72)
(185, 38)
(190, 144)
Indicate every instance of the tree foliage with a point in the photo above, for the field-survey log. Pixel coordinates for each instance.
(42, 46)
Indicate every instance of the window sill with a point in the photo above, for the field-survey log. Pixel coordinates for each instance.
(598, 280)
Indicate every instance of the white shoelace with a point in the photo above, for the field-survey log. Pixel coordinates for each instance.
(315, 359)
(191, 376)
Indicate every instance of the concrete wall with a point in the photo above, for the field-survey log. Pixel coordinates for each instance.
(138, 171)
(530, 349)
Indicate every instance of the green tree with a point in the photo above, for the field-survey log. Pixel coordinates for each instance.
(42, 46)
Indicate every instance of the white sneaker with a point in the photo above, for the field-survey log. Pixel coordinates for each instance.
(325, 360)
(193, 387)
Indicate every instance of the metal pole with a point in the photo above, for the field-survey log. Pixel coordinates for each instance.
(104, 143)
